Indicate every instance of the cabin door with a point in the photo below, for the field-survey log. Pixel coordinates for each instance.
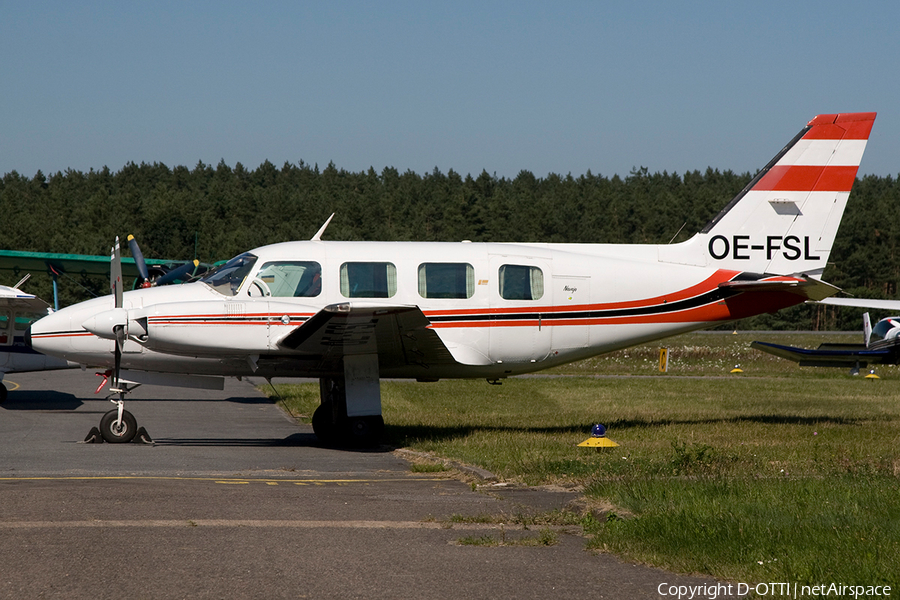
(571, 296)
(519, 300)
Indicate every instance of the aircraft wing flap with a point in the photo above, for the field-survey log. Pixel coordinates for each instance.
(398, 334)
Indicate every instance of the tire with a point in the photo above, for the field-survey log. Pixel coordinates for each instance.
(323, 424)
(109, 432)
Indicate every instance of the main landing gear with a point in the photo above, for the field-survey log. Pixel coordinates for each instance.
(117, 426)
(335, 427)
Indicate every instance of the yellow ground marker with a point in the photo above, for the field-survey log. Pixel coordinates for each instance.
(598, 442)
(598, 438)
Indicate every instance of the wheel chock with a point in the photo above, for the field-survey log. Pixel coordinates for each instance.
(142, 437)
(93, 437)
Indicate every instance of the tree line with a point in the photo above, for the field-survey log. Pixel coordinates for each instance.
(215, 212)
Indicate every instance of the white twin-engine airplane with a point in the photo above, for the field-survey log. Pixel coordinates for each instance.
(350, 313)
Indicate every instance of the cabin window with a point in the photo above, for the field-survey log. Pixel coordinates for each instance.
(446, 280)
(228, 278)
(519, 282)
(4, 327)
(368, 280)
(292, 279)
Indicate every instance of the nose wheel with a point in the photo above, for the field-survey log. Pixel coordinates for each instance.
(117, 426)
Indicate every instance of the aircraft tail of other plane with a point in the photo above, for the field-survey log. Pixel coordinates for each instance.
(785, 221)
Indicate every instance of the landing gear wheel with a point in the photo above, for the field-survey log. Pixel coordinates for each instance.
(365, 432)
(323, 424)
(118, 435)
(3, 392)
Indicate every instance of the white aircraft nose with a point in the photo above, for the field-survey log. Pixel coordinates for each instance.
(49, 335)
(61, 334)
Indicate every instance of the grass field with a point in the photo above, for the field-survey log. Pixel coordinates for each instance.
(774, 474)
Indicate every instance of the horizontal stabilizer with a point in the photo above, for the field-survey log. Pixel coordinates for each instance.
(831, 355)
(806, 287)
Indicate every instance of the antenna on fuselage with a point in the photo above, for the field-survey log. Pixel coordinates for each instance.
(318, 236)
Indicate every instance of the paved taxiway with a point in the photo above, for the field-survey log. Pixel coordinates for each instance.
(236, 500)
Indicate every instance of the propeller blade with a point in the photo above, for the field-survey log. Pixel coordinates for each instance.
(118, 361)
(178, 273)
(119, 330)
(115, 274)
(138, 258)
(115, 284)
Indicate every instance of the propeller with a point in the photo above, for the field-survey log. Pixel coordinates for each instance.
(178, 273)
(115, 283)
(173, 275)
(138, 258)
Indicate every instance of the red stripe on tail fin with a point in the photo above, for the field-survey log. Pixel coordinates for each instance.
(804, 178)
(848, 126)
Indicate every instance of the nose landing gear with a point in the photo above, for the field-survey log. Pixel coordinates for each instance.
(117, 426)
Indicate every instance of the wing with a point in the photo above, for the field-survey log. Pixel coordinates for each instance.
(15, 298)
(832, 355)
(398, 334)
(74, 264)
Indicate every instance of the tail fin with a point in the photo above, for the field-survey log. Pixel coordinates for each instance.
(785, 220)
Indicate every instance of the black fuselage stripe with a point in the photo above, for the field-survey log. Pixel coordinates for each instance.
(667, 307)
(158, 320)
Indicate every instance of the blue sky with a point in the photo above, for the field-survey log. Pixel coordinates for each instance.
(561, 87)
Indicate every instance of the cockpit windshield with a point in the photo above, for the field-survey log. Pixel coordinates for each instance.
(228, 278)
(886, 329)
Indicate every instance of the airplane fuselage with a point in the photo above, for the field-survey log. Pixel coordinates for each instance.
(500, 309)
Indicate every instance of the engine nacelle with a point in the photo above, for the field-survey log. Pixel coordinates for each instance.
(214, 328)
